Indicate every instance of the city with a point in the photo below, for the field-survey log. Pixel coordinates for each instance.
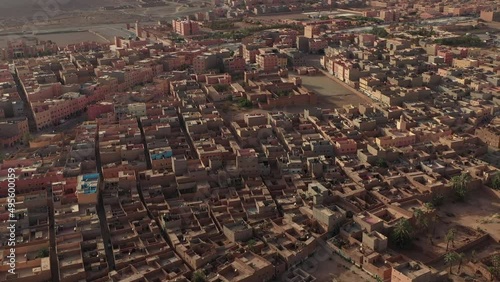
(250, 141)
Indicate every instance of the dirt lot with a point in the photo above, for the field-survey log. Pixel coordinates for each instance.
(334, 269)
(481, 210)
(84, 14)
(331, 94)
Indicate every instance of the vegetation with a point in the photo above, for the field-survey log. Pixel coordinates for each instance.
(401, 234)
(199, 276)
(495, 182)
(361, 19)
(437, 200)
(27, 138)
(244, 103)
(244, 32)
(381, 163)
(494, 268)
(421, 219)
(450, 237)
(379, 31)
(283, 93)
(451, 258)
(220, 25)
(42, 253)
(423, 32)
(461, 258)
(459, 184)
(251, 244)
(463, 41)
(221, 87)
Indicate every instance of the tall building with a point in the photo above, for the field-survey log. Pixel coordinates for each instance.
(185, 27)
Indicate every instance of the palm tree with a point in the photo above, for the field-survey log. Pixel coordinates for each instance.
(461, 258)
(421, 220)
(495, 182)
(433, 221)
(199, 276)
(473, 255)
(451, 258)
(401, 233)
(459, 183)
(491, 269)
(494, 269)
(450, 237)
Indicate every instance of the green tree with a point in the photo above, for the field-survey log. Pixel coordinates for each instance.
(380, 162)
(495, 182)
(251, 244)
(42, 253)
(450, 237)
(379, 31)
(421, 219)
(473, 256)
(199, 276)
(437, 200)
(450, 258)
(494, 269)
(221, 87)
(245, 103)
(460, 183)
(460, 258)
(27, 138)
(401, 234)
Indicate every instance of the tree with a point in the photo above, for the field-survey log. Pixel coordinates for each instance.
(451, 258)
(421, 219)
(199, 276)
(459, 183)
(27, 138)
(437, 200)
(381, 163)
(432, 222)
(221, 87)
(401, 234)
(379, 31)
(251, 244)
(494, 269)
(495, 182)
(42, 253)
(245, 103)
(450, 237)
(473, 256)
(460, 258)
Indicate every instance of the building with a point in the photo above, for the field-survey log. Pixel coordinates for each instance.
(490, 16)
(185, 27)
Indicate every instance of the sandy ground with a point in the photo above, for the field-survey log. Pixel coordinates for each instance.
(331, 94)
(82, 14)
(334, 269)
(480, 210)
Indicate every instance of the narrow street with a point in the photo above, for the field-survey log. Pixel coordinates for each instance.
(101, 213)
(54, 265)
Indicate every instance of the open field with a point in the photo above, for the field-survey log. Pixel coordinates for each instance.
(334, 269)
(31, 15)
(331, 94)
(482, 209)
